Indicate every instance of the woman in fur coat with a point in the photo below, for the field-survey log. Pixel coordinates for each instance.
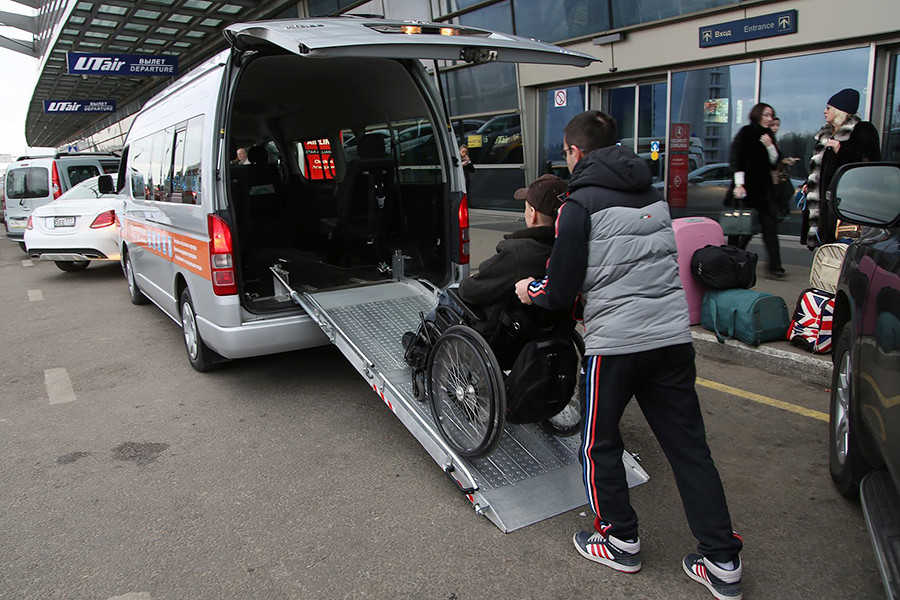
(754, 158)
(844, 139)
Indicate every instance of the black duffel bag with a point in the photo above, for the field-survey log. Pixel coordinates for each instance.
(724, 267)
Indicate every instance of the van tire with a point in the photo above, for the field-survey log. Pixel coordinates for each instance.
(72, 266)
(200, 356)
(23, 247)
(137, 296)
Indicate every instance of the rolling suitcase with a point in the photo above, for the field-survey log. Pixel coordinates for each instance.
(810, 328)
(826, 267)
(692, 233)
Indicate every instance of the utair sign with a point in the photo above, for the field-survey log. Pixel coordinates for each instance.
(79, 106)
(764, 26)
(129, 65)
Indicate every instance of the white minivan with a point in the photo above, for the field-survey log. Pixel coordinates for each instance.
(329, 198)
(33, 181)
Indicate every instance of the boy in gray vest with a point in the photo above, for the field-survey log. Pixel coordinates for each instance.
(615, 251)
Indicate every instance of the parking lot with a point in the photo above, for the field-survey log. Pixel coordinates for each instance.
(129, 475)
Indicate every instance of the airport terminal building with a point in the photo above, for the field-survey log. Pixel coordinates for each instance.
(679, 76)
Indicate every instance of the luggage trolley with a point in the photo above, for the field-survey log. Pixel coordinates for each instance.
(530, 474)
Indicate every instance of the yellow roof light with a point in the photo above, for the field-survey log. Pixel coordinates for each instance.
(449, 31)
(410, 29)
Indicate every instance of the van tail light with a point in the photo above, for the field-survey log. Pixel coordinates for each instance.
(221, 259)
(464, 230)
(54, 181)
(30, 225)
(104, 219)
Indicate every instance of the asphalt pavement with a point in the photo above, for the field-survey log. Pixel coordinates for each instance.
(779, 358)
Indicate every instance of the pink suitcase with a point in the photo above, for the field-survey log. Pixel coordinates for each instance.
(693, 233)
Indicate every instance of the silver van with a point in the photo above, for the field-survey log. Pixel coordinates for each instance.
(351, 180)
(33, 181)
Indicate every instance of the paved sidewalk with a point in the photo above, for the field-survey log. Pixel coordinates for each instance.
(781, 358)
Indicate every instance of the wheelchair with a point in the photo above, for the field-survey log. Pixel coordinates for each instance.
(464, 376)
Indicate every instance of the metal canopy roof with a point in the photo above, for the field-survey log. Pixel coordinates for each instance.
(188, 29)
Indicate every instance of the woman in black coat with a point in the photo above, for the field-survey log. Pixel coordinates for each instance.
(844, 139)
(754, 159)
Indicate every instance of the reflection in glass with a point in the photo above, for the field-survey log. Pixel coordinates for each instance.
(496, 17)
(482, 88)
(555, 20)
(553, 120)
(892, 113)
(798, 92)
(619, 104)
(869, 194)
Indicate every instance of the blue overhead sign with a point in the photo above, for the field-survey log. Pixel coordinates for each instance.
(780, 23)
(79, 106)
(129, 65)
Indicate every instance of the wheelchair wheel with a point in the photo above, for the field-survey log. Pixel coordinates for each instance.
(465, 384)
(568, 421)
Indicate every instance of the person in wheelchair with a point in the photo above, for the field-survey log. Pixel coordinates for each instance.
(488, 296)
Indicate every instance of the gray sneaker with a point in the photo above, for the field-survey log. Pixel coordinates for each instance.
(723, 584)
(610, 551)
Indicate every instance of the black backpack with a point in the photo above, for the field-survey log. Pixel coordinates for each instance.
(542, 380)
(724, 267)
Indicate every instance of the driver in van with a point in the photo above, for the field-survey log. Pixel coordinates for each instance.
(520, 254)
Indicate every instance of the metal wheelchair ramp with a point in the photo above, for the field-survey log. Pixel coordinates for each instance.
(529, 477)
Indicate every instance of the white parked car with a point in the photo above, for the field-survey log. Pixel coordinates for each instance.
(78, 227)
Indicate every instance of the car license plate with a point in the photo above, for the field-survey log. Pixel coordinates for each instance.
(18, 223)
(64, 221)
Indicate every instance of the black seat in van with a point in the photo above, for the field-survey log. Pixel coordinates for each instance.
(364, 198)
(263, 207)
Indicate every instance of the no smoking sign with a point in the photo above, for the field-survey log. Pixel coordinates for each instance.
(559, 98)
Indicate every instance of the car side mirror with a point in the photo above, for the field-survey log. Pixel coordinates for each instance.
(696, 179)
(105, 184)
(867, 193)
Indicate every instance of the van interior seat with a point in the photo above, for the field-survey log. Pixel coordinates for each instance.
(366, 196)
(262, 205)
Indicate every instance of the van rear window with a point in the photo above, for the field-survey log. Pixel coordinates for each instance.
(79, 173)
(28, 182)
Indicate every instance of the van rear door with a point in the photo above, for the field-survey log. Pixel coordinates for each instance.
(359, 36)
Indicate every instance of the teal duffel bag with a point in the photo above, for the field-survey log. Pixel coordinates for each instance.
(746, 315)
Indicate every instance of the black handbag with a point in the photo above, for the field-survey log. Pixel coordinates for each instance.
(724, 267)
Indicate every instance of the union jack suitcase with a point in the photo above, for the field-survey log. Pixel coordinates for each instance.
(811, 326)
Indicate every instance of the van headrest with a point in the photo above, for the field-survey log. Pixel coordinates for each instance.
(258, 155)
(371, 146)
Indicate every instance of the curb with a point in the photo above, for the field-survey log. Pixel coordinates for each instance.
(810, 369)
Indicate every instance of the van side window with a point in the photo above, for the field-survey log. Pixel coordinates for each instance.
(28, 182)
(140, 168)
(185, 180)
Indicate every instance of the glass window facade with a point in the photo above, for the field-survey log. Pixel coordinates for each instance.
(480, 89)
(892, 113)
(557, 107)
(554, 20)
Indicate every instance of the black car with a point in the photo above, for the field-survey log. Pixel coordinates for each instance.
(864, 438)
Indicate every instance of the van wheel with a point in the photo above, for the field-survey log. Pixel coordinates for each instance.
(72, 266)
(845, 459)
(137, 296)
(201, 357)
(23, 247)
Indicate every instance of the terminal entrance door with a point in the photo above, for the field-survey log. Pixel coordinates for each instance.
(640, 112)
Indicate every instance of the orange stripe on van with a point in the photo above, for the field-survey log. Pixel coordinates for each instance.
(183, 251)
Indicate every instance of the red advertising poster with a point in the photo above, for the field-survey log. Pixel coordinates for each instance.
(679, 137)
(319, 164)
(677, 187)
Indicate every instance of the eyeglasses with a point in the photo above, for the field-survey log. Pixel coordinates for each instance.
(565, 152)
